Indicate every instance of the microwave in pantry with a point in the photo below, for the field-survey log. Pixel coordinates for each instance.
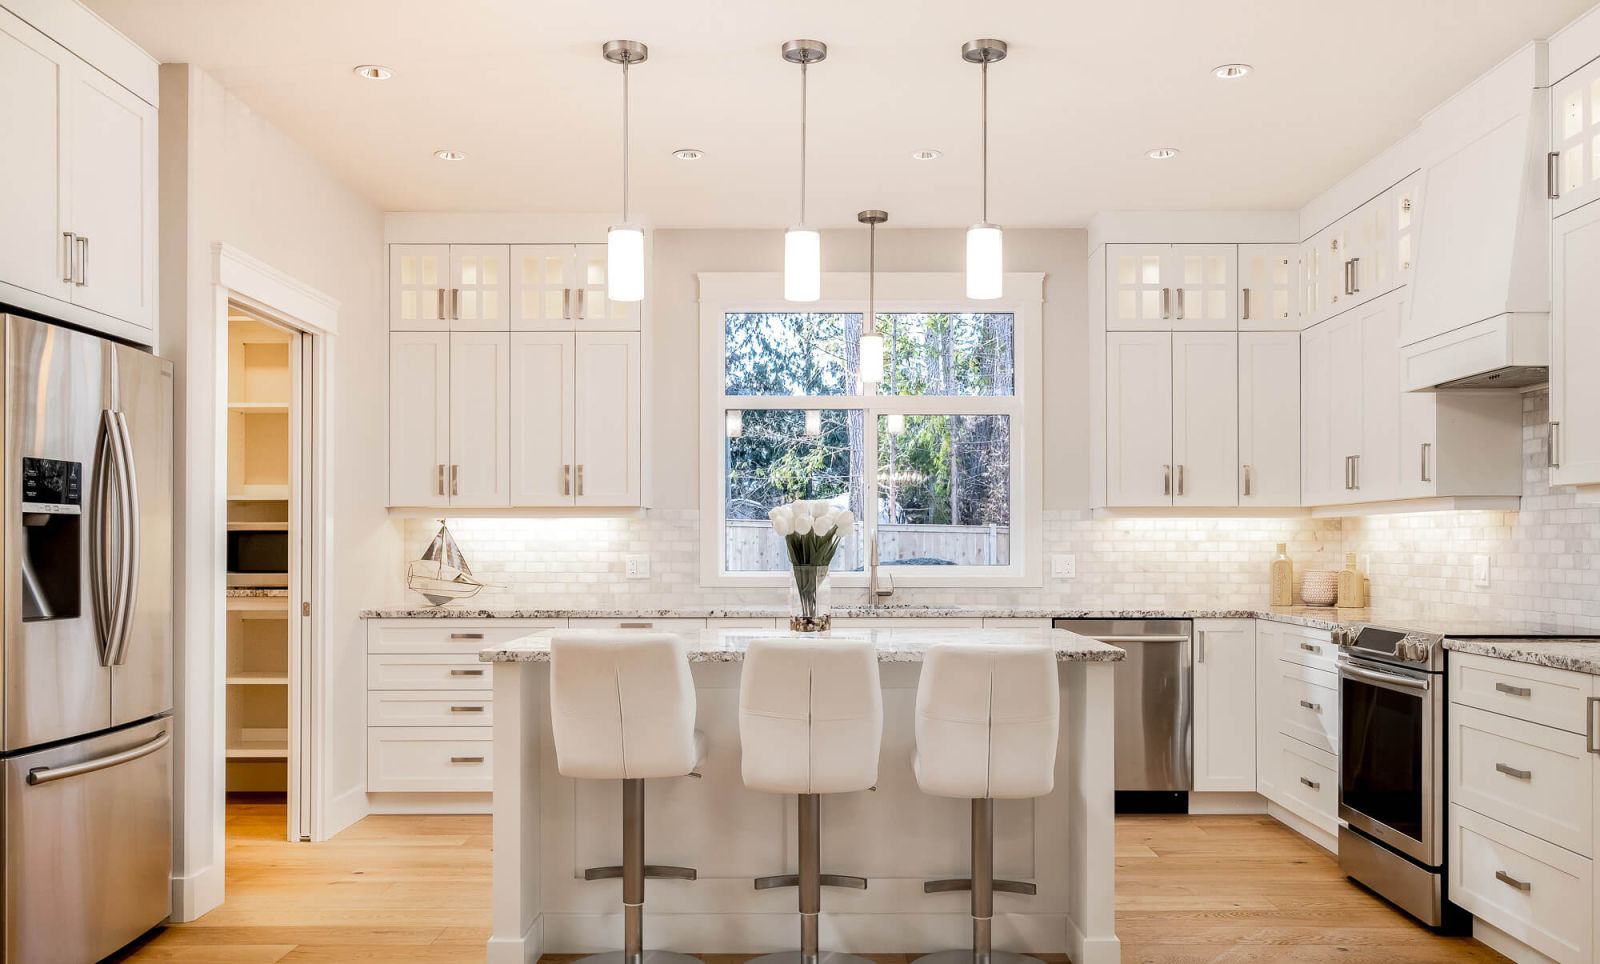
(258, 555)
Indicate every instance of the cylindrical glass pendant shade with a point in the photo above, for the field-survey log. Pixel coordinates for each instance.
(802, 265)
(871, 359)
(985, 267)
(625, 264)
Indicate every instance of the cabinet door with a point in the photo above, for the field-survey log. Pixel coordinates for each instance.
(419, 418)
(1269, 639)
(1205, 283)
(1138, 287)
(594, 310)
(1419, 431)
(479, 287)
(1574, 345)
(1377, 468)
(1335, 265)
(480, 417)
(1269, 418)
(419, 282)
(1575, 137)
(542, 393)
(1345, 394)
(1138, 418)
(32, 255)
(1405, 216)
(1268, 287)
(541, 287)
(110, 146)
(1205, 418)
(1320, 469)
(1312, 294)
(607, 417)
(1225, 704)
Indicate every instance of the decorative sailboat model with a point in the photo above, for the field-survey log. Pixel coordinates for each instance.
(442, 574)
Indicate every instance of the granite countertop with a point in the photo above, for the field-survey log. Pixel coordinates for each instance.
(238, 592)
(894, 645)
(1577, 655)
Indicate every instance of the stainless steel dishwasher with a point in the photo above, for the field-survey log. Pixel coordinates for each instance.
(1154, 710)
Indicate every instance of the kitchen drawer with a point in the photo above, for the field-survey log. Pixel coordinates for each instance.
(430, 708)
(1309, 647)
(1531, 777)
(1308, 705)
(459, 636)
(1308, 782)
(660, 624)
(1537, 892)
(411, 758)
(426, 671)
(1538, 694)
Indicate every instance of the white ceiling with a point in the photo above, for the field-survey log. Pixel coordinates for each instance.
(521, 87)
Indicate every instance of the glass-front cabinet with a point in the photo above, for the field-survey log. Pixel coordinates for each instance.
(1172, 287)
(1575, 139)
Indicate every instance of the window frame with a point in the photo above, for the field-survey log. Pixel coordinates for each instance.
(902, 292)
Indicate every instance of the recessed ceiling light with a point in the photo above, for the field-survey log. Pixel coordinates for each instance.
(374, 72)
(450, 155)
(1161, 153)
(928, 155)
(1232, 71)
(688, 154)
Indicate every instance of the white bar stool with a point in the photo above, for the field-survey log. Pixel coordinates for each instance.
(987, 721)
(622, 707)
(810, 722)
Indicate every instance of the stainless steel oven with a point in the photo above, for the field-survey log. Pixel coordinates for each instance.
(258, 555)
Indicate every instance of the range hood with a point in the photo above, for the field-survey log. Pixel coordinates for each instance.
(1480, 303)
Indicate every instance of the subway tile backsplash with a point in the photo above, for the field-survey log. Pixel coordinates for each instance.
(1543, 559)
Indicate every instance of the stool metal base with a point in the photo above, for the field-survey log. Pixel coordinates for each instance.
(971, 957)
(648, 957)
(795, 957)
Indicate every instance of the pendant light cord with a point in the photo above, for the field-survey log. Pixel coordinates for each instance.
(985, 141)
(872, 277)
(803, 119)
(625, 62)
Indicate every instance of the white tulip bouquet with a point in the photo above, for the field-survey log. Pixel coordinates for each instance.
(811, 531)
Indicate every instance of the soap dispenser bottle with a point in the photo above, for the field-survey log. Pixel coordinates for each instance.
(1282, 578)
(1352, 585)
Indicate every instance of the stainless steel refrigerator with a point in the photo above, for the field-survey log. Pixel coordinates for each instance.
(86, 722)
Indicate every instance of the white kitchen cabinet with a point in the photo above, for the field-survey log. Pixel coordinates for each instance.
(1269, 287)
(1320, 475)
(1405, 212)
(606, 425)
(1269, 641)
(479, 287)
(1225, 705)
(480, 419)
(1377, 456)
(1574, 444)
(595, 311)
(455, 287)
(1269, 418)
(1314, 257)
(562, 287)
(419, 418)
(1171, 287)
(1575, 139)
(35, 79)
(1347, 399)
(1138, 418)
(418, 282)
(543, 374)
(1205, 410)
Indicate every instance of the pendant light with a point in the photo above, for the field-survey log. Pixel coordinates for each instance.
(871, 341)
(985, 264)
(625, 242)
(802, 246)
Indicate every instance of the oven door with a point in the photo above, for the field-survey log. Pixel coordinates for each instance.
(1390, 765)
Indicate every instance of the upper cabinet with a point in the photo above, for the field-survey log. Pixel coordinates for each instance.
(562, 287)
(1172, 287)
(1269, 287)
(1575, 140)
(1363, 255)
(79, 197)
(1574, 443)
(448, 287)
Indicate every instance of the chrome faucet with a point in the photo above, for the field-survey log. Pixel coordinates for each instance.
(880, 586)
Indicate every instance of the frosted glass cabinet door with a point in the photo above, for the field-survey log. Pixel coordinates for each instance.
(1205, 412)
(1269, 418)
(480, 419)
(1575, 139)
(419, 418)
(479, 287)
(607, 419)
(1574, 345)
(1139, 419)
(1269, 281)
(1204, 287)
(541, 287)
(31, 246)
(1138, 287)
(419, 282)
(593, 310)
(543, 373)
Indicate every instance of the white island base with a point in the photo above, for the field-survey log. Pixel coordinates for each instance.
(548, 829)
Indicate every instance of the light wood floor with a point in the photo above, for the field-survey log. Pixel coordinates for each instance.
(416, 889)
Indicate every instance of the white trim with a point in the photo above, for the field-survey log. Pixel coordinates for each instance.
(261, 287)
(198, 893)
(721, 292)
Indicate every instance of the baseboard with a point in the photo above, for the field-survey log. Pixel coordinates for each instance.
(1491, 936)
(1305, 828)
(426, 803)
(760, 933)
(518, 950)
(343, 810)
(198, 894)
(1227, 802)
(1091, 950)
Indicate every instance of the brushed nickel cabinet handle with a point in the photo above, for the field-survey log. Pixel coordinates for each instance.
(566, 479)
(1180, 468)
(466, 635)
(1588, 725)
(68, 247)
(1247, 480)
(455, 479)
(443, 316)
(1181, 302)
(1427, 448)
(636, 625)
(1552, 167)
(1349, 474)
(440, 481)
(1355, 460)
(1247, 304)
(566, 303)
(1514, 690)
(455, 304)
(1313, 707)
(466, 759)
(1355, 276)
(466, 672)
(1313, 784)
(1310, 648)
(580, 478)
(583, 303)
(1511, 881)
(466, 709)
(1512, 771)
(82, 244)
(1166, 301)
(1200, 647)
(1166, 479)
(1555, 441)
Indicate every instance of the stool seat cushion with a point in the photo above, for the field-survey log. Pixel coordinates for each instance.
(810, 715)
(622, 705)
(988, 719)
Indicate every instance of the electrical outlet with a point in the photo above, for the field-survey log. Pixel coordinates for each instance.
(1064, 565)
(1480, 571)
(637, 566)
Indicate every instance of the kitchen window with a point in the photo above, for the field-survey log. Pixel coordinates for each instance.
(938, 461)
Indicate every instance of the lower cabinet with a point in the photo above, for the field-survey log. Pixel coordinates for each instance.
(1297, 723)
(1225, 704)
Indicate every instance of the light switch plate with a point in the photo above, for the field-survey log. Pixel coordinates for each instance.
(1480, 571)
(1063, 565)
(637, 566)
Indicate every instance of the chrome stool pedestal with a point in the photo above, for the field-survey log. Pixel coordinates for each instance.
(633, 873)
(983, 885)
(810, 881)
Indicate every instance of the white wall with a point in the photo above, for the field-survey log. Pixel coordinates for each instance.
(229, 176)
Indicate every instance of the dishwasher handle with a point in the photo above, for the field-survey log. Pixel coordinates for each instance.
(1175, 638)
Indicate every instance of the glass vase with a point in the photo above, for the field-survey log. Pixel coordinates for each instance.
(810, 600)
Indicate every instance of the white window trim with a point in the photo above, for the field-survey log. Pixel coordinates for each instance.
(846, 292)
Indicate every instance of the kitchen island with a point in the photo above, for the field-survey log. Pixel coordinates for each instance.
(547, 828)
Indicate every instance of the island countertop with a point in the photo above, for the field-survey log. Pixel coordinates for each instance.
(895, 645)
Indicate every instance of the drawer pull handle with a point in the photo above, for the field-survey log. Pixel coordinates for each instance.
(466, 759)
(466, 709)
(1313, 707)
(466, 635)
(1512, 771)
(1513, 690)
(1310, 648)
(1311, 783)
(1511, 881)
(636, 625)
(466, 672)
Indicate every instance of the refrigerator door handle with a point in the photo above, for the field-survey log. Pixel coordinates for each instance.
(128, 588)
(100, 547)
(39, 775)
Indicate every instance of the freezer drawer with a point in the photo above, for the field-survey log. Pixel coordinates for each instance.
(88, 845)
